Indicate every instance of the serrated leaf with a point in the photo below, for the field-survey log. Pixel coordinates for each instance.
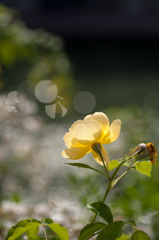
(61, 232)
(111, 231)
(82, 165)
(140, 235)
(89, 230)
(144, 167)
(102, 210)
(22, 227)
(113, 164)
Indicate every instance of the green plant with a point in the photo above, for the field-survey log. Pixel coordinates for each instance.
(108, 227)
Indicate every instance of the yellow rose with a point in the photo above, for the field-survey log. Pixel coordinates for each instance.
(88, 135)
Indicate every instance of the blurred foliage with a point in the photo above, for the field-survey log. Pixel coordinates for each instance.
(32, 55)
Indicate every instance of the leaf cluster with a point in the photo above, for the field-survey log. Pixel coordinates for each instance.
(109, 229)
(31, 228)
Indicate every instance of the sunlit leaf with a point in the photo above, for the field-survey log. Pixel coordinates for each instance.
(113, 164)
(111, 231)
(81, 165)
(36, 238)
(61, 232)
(144, 168)
(123, 237)
(33, 231)
(102, 210)
(90, 230)
(22, 227)
(140, 235)
(54, 238)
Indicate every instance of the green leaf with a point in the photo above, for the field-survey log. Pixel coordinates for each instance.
(54, 238)
(33, 231)
(22, 227)
(61, 232)
(48, 221)
(111, 231)
(81, 165)
(113, 164)
(36, 238)
(144, 167)
(89, 230)
(123, 237)
(102, 210)
(140, 235)
(132, 222)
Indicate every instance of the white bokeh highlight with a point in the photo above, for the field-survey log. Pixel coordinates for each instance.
(46, 91)
(84, 102)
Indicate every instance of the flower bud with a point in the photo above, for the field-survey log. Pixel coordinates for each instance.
(141, 151)
(152, 152)
(144, 150)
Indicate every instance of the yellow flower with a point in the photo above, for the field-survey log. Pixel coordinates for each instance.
(88, 135)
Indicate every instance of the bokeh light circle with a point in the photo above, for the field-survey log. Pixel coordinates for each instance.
(46, 91)
(84, 102)
(52, 112)
(11, 102)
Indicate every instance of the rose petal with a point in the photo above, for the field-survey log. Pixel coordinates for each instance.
(113, 132)
(114, 129)
(101, 118)
(70, 140)
(74, 125)
(88, 132)
(88, 117)
(105, 157)
(75, 152)
(68, 137)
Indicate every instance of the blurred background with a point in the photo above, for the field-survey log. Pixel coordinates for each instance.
(61, 60)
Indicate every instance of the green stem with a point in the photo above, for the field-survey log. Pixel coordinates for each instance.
(105, 195)
(99, 153)
(115, 182)
(107, 190)
(104, 165)
(129, 168)
(110, 185)
(117, 169)
(44, 231)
